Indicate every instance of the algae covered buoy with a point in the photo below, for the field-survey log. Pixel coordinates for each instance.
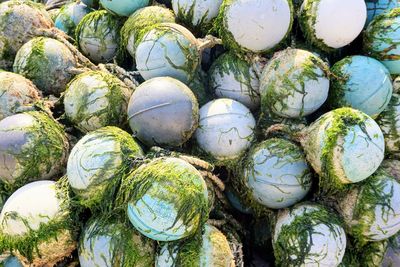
(98, 162)
(96, 99)
(33, 146)
(166, 199)
(113, 243)
(209, 248)
(294, 84)
(276, 174)
(308, 234)
(226, 129)
(37, 223)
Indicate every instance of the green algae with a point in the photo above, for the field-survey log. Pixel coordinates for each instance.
(47, 70)
(49, 145)
(97, 26)
(371, 193)
(337, 125)
(276, 88)
(338, 84)
(227, 64)
(389, 121)
(127, 246)
(307, 21)
(171, 183)
(117, 96)
(375, 32)
(185, 17)
(100, 192)
(293, 244)
(142, 21)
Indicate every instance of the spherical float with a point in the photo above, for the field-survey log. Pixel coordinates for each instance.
(392, 253)
(166, 199)
(20, 21)
(371, 210)
(343, 146)
(362, 83)
(226, 129)
(168, 50)
(163, 111)
(308, 234)
(46, 62)
(234, 78)
(114, 244)
(236, 202)
(37, 225)
(140, 22)
(95, 99)
(380, 40)
(277, 174)
(294, 84)
(17, 94)
(253, 25)
(33, 146)
(98, 162)
(97, 36)
(69, 17)
(331, 25)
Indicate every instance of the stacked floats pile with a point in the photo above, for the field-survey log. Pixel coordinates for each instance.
(200, 133)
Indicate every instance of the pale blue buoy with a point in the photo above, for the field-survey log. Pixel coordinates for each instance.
(123, 7)
(69, 17)
(377, 7)
(167, 199)
(381, 40)
(362, 83)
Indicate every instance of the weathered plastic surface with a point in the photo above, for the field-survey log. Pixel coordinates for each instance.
(17, 94)
(163, 111)
(333, 24)
(12, 139)
(213, 251)
(168, 50)
(226, 129)
(293, 84)
(380, 41)
(70, 16)
(231, 77)
(98, 38)
(197, 12)
(278, 178)
(46, 62)
(366, 86)
(35, 203)
(257, 25)
(156, 216)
